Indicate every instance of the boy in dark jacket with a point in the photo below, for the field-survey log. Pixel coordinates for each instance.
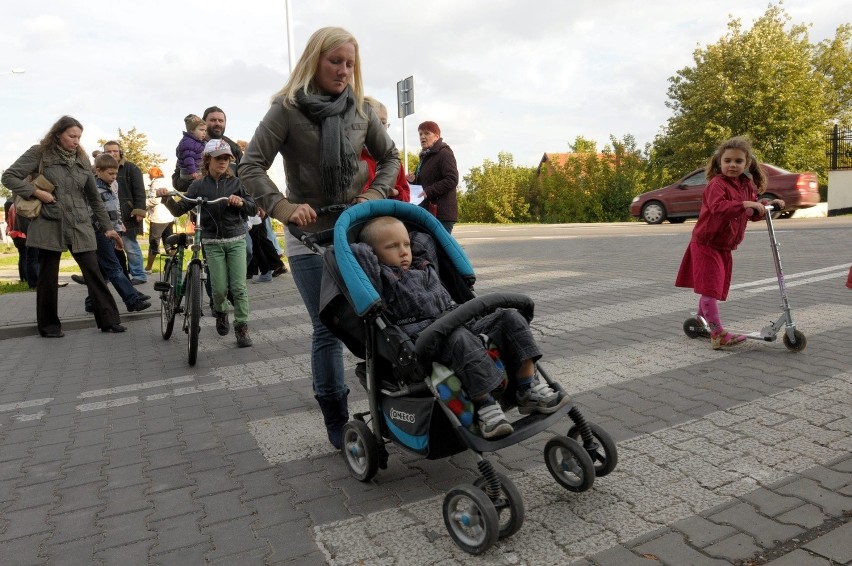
(402, 268)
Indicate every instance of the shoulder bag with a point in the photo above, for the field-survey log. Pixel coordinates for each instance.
(31, 207)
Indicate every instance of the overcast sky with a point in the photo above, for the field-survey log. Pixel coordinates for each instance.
(524, 77)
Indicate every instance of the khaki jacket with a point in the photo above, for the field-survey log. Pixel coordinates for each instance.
(75, 187)
(291, 133)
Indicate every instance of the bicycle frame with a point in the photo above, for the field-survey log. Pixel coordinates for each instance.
(182, 282)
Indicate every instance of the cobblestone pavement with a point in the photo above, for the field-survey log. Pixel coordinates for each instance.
(113, 450)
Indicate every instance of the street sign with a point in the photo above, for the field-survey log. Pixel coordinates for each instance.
(405, 97)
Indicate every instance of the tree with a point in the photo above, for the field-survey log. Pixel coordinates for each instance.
(496, 192)
(833, 60)
(758, 83)
(134, 145)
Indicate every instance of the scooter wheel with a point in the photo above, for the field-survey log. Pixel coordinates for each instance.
(693, 328)
(800, 344)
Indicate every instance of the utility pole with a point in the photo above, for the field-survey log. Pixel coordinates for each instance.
(405, 107)
(288, 9)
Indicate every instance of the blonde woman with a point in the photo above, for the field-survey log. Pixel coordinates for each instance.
(319, 124)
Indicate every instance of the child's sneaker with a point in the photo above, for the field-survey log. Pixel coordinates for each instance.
(492, 421)
(541, 398)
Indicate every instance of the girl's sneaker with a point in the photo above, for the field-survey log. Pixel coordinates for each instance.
(541, 398)
(719, 338)
(492, 421)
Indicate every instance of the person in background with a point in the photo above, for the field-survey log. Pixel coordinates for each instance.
(319, 123)
(728, 203)
(160, 220)
(16, 228)
(400, 190)
(438, 174)
(106, 170)
(223, 226)
(131, 197)
(60, 226)
(190, 149)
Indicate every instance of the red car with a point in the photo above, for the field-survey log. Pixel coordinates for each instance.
(682, 200)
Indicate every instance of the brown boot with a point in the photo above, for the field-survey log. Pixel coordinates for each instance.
(152, 256)
(241, 331)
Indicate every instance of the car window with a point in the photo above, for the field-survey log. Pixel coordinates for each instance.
(695, 179)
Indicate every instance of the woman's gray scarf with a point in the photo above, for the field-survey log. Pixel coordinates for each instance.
(338, 162)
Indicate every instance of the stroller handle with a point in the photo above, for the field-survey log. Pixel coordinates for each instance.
(316, 241)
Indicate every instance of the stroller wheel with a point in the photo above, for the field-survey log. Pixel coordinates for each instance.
(800, 344)
(471, 518)
(360, 450)
(604, 455)
(509, 505)
(569, 463)
(693, 328)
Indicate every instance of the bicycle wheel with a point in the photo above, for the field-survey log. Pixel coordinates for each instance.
(193, 310)
(168, 300)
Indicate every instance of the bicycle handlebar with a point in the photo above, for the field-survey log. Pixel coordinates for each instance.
(196, 200)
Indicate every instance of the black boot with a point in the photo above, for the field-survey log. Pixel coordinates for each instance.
(335, 413)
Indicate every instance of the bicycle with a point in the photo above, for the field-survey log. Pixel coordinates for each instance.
(174, 285)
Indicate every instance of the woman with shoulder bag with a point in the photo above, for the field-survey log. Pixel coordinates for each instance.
(64, 222)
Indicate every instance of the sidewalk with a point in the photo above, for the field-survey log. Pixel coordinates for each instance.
(18, 310)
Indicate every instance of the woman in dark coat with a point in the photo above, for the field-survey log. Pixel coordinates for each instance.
(64, 222)
(438, 174)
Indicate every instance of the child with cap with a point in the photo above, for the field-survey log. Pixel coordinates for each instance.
(190, 150)
(223, 226)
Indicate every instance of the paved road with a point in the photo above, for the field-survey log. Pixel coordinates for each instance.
(112, 450)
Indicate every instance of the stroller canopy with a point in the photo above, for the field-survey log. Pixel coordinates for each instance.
(363, 295)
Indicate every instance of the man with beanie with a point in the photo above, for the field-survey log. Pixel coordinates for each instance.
(131, 195)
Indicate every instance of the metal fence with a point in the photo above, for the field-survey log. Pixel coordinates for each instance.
(839, 148)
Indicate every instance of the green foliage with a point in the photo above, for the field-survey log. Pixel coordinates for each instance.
(134, 145)
(758, 83)
(833, 61)
(591, 186)
(496, 192)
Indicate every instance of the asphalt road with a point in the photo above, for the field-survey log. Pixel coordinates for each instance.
(113, 450)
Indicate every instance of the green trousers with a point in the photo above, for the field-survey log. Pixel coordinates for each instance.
(227, 265)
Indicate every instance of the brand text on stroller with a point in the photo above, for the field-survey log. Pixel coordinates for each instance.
(402, 416)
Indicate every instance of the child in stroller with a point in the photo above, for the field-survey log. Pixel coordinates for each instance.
(402, 267)
(405, 383)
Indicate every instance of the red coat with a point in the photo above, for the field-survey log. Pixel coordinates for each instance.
(707, 264)
(401, 184)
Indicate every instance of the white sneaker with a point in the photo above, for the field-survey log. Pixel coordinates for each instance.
(541, 398)
(492, 421)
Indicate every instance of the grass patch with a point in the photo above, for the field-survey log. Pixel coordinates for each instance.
(16, 287)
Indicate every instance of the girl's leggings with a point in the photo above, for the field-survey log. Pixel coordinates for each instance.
(708, 307)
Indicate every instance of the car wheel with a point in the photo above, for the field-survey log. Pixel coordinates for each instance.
(653, 212)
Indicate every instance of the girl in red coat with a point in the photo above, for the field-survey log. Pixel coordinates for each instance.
(729, 201)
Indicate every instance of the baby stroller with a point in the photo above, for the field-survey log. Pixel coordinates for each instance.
(418, 404)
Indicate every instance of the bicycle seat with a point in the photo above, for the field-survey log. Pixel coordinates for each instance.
(177, 240)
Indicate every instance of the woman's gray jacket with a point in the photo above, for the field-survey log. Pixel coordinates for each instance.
(288, 131)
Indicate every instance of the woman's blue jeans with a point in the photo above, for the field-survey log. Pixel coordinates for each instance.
(326, 350)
